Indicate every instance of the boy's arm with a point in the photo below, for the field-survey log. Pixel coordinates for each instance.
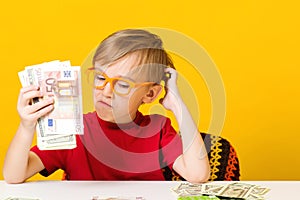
(20, 163)
(193, 164)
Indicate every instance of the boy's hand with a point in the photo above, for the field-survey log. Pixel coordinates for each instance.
(172, 96)
(30, 113)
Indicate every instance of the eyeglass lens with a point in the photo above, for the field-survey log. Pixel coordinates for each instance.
(120, 86)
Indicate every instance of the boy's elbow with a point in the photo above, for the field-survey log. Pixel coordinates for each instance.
(197, 179)
(200, 177)
(11, 179)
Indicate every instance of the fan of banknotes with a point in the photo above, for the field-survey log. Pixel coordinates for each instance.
(62, 82)
(213, 191)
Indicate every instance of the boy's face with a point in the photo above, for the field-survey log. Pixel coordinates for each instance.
(118, 108)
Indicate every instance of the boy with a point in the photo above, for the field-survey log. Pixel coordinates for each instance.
(119, 143)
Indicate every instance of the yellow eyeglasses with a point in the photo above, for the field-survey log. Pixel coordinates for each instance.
(120, 86)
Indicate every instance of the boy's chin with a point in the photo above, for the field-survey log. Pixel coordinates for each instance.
(106, 117)
(110, 117)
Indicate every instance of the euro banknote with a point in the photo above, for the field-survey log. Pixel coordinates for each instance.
(61, 81)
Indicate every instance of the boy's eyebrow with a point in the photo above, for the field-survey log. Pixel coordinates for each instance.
(125, 77)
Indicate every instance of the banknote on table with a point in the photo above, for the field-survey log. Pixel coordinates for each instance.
(62, 82)
(235, 190)
(188, 189)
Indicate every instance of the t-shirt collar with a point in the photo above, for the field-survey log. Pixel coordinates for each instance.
(128, 125)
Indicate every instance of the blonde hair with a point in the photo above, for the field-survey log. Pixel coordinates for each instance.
(151, 58)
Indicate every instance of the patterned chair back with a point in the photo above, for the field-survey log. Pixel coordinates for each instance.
(222, 157)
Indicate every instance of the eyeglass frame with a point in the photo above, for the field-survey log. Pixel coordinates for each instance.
(112, 82)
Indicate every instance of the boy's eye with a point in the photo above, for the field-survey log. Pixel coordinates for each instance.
(100, 78)
(123, 84)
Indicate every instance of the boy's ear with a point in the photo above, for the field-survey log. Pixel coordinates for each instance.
(152, 94)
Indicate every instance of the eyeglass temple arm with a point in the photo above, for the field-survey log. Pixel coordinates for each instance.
(167, 76)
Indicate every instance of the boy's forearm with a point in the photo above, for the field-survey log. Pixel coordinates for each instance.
(16, 160)
(194, 153)
(188, 129)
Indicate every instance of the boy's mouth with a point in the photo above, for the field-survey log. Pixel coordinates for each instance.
(105, 104)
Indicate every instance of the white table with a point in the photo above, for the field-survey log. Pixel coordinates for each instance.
(151, 190)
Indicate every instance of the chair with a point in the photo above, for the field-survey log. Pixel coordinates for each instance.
(222, 157)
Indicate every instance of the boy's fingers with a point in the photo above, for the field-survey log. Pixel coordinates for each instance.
(40, 105)
(29, 88)
(39, 113)
(43, 111)
(31, 94)
(171, 75)
(170, 70)
(28, 93)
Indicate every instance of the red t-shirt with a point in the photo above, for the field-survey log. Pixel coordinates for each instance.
(107, 151)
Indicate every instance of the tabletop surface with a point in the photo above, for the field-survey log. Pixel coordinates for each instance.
(150, 190)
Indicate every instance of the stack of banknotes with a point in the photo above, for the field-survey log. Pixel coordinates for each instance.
(62, 82)
(213, 191)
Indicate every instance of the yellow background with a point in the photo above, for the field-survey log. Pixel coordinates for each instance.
(255, 45)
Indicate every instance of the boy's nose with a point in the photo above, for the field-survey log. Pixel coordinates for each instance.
(107, 90)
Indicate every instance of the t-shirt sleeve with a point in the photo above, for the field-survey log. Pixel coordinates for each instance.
(52, 160)
(171, 144)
